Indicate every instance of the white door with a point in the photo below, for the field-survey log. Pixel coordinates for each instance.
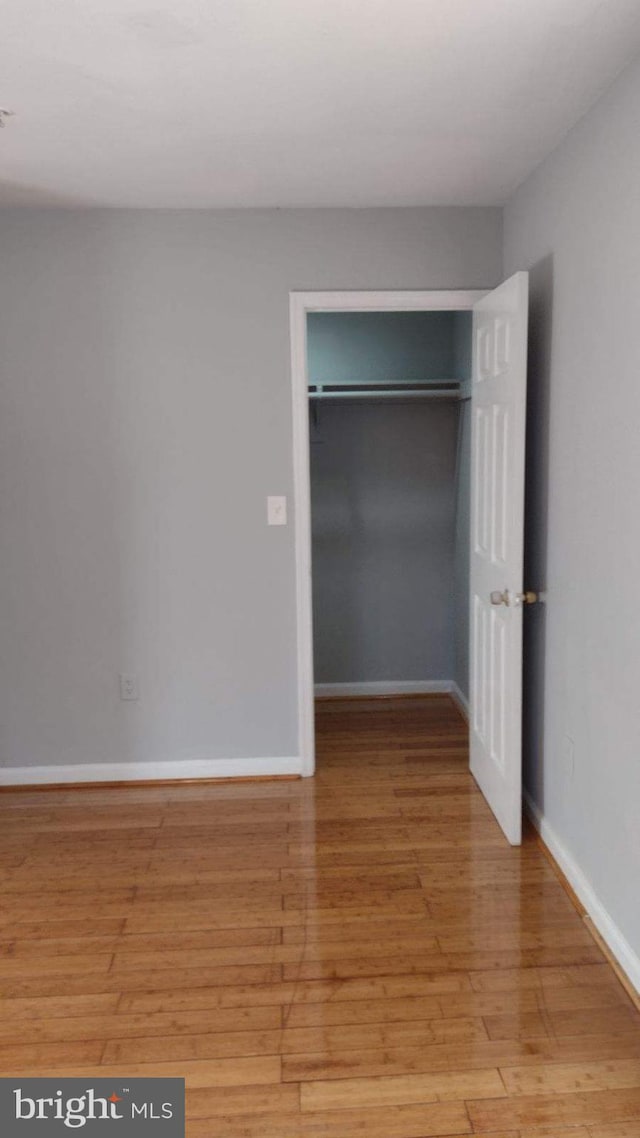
(499, 387)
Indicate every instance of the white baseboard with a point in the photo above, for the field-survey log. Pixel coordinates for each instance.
(142, 772)
(385, 687)
(619, 946)
(460, 698)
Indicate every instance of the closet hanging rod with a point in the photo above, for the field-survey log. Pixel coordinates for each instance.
(399, 389)
(387, 393)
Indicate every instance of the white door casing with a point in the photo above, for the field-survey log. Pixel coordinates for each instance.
(497, 528)
(301, 303)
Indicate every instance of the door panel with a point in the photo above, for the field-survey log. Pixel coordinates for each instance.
(497, 525)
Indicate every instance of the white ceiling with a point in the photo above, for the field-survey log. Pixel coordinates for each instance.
(211, 103)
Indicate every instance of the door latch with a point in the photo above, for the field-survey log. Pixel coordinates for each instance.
(498, 598)
(504, 598)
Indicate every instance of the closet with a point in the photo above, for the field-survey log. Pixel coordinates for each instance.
(389, 433)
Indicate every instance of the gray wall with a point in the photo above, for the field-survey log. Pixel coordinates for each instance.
(145, 415)
(383, 497)
(376, 347)
(575, 224)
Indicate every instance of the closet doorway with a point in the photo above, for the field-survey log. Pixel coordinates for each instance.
(408, 415)
(389, 467)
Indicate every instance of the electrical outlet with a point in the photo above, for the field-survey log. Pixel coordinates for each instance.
(128, 686)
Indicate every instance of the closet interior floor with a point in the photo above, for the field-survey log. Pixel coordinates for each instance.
(358, 954)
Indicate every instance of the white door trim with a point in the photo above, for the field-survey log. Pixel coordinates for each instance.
(300, 303)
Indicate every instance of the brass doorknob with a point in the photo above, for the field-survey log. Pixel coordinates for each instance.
(527, 598)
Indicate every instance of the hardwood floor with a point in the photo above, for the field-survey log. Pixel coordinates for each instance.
(357, 954)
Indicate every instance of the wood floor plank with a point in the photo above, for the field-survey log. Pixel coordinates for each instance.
(57, 1007)
(214, 1102)
(61, 965)
(212, 1021)
(556, 1132)
(613, 1130)
(542, 978)
(583, 1109)
(614, 1020)
(238, 1071)
(58, 929)
(140, 980)
(16, 1058)
(432, 1120)
(205, 1045)
(435, 962)
(494, 1005)
(460, 1056)
(563, 1078)
(380, 1011)
(402, 1089)
(393, 929)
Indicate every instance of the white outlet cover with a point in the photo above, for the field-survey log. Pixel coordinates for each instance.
(276, 510)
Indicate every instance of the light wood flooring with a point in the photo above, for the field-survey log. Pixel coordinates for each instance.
(360, 955)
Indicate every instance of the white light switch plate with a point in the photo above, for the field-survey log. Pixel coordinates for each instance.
(276, 510)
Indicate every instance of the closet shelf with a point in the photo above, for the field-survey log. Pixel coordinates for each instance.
(434, 389)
